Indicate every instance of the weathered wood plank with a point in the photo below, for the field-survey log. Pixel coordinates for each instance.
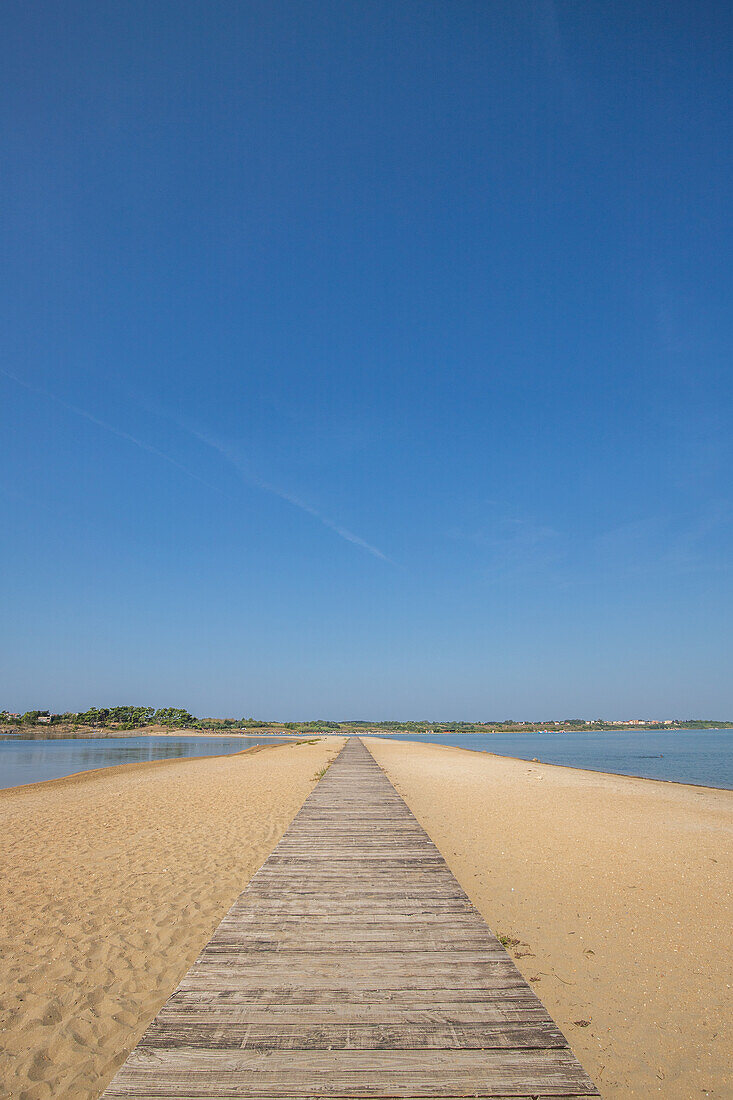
(512, 989)
(193, 1009)
(371, 960)
(227, 1035)
(353, 965)
(349, 1073)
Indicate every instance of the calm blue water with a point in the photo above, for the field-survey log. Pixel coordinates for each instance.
(32, 761)
(688, 756)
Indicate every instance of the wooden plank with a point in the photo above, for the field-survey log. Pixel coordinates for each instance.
(394, 960)
(196, 1010)
(349, 1073)
(225, 1034)
(400, 999)
(353, 965)
(512, 989)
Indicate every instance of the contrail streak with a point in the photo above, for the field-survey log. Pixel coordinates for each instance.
(215, 445)
(39, 391)
(267, 487)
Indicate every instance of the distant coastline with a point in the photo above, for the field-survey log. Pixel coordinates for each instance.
(699, 757)
(139, 721)
(574, 767)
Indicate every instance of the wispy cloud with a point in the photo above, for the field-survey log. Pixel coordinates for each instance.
(235, 460)
(663, 547)
(217, 445)
(119, 432)
(514, 546)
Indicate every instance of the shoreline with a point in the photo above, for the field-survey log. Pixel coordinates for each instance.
(549, 764)
(16, 734)
(144, 731)
(612, 895)
(92, 773)
(111, 882)
(275, 740)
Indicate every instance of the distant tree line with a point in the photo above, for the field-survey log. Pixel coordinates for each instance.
(127, 717)
(121, 717)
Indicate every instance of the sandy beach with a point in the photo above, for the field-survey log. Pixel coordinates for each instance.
(615, 894)
(110, 884)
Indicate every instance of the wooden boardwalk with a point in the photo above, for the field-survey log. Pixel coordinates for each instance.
(353, 965)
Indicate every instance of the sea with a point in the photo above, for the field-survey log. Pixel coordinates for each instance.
(703, 757)
(699, 756)
(31, 761)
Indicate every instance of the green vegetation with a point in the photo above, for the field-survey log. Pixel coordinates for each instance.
(129, 717)
(507, 941)
(106, 717)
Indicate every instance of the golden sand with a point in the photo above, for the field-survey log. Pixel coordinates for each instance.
(111, 882)
(617, 893)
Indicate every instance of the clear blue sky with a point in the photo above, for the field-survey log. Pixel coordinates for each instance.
(367, 359)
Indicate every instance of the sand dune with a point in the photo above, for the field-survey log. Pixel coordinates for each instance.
(617, 893)
(110, 884)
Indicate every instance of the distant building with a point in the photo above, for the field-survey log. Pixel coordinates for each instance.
(46, 718)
